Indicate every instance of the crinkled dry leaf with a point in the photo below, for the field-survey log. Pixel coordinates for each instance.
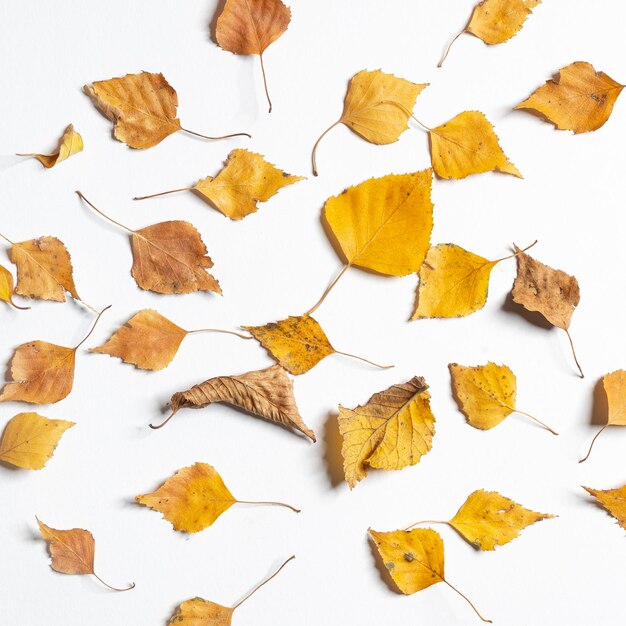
(70, 143)
(486, 394)
(6, 288)
(414, 559)
(467, 144)
(29, 440)
(613, 500)
(393, 430)
(578, 98)
(377, 107)
(250, 26)
(267, 393)
(72, 551)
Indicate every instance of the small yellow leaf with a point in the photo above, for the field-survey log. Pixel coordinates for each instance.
(29, 440)
(467, 144)
(70, 143)
(199, 612)
(613, 500)
(384, 224)
(6, 288)
(192, 499)
(578, 98)
(393, 430)
(615, 388)
(496, 21)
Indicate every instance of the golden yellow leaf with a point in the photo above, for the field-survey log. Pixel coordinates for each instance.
(6, 288)
(29, 440)
(250, 26)
(414, 559)
(72, 551)
(615, 388)
(297, 343)
(488, 519)
(267, 393)
(377, 107)
(578, 98)
(393, 430)
(41, 372)
(613, 500)
(467, 144)
(486, 394)
(70, 143)
(247, 178)
(168, 257)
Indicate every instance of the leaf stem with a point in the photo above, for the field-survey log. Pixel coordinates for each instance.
(426, 521)
(263, 583)
(191, 132)
(219, 330)
(106, 217)
(592, 442)
(328, 289)
(360, 358)
(536, 420)
(571, 343)
(93, 327)
(167, 419)
(7, 239)
(408, 112)
(16, 306)
(445, 54)
(467, 600)
(162, 193)
(511, 256)
(132, 585)
(267, 93)
(317, 143)
(288, 506)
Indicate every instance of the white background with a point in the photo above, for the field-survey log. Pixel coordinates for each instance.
(277, 262)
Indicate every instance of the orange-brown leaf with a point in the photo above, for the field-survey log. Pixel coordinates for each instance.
(72, 551)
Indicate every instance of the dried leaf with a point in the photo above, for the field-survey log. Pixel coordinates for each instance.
(578, 98)
(267, 393)
(72, 551)
(6, 288)
(250, 26)
(414, 559)
(377, 107)
(393, 430)
(29, 440)
(194, 498)
(70, 143)
(486, 394)
(613, 500)
(467, 144)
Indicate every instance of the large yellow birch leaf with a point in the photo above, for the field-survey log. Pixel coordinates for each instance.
(298, 343)
(29, 440)
(267, 393)
(467, 144)
(393, 430)
(486, 394)
(194, 498)
(250, 26)
(613, 500)
(72, 552)
(70, 143)
(414, 559)
(377, 107)
(615, 388)
(6, 288)
(578, 98)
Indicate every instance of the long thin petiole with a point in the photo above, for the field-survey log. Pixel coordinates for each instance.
(132, 585)
(426, 521)
(317, 143)
(287, 506)
(267, 93)
(106, 217)
(165, 421)
(360, 358)
(191, 132)
(162, 193)
(467, 600)
(219, 330)
(7, 239)
(445, 54)
(511, 256)
(328, 289)
(263, 583)
(93, 327)
(592, 442)
(532, 417)
(571, 343)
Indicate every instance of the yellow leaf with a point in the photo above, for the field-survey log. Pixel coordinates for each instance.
(467, 144)
(267, 393)
(414, 559)
(6, 288)
(70, 143)
(377, 107)
(29, 440)
(578, 98)
(486, 394)
(496, 21)
(613, 500)
(199, 612)
(250, 26)
(393, 430)
(72, 551)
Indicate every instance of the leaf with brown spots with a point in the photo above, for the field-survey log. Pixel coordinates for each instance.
(613, 500)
